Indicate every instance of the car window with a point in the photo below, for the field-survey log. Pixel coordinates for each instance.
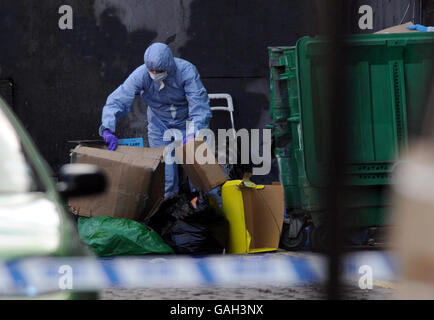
(16, 173)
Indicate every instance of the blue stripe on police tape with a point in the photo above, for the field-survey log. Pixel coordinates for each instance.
(111, 273)
(17, 277)
(205, 272)
(158, 272)
(305, 271)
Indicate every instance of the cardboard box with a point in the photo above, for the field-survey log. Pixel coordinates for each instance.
(255, 214)
(135, 177)
(398, 29)
(203, 176)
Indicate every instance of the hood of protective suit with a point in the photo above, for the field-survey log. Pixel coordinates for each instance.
(159, 57)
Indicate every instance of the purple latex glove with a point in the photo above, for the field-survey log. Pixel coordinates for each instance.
(188, 138)
(110, 139)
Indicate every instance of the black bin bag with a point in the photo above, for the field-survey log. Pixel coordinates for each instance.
(194, 229)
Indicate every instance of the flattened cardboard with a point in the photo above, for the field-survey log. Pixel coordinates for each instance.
(204, 177)
(148, 153)
(135, 177)
(263, 213)
(398, 29)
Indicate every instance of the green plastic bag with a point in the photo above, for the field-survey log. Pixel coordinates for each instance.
(113, 237)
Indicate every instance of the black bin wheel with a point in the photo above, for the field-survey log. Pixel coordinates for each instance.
(294, 243)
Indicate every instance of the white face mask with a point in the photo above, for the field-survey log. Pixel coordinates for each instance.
(159, 76)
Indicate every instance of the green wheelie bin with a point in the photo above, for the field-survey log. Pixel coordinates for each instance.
(387, 81)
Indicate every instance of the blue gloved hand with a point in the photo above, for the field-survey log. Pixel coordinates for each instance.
(188, 138)
(110, 139)
(418, 27)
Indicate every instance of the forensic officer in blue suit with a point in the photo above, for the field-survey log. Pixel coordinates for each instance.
(174, 93)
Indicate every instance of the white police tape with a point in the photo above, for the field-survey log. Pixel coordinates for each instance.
(35, 276)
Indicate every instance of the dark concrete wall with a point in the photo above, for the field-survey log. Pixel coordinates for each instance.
(428, 12)
(62, 78)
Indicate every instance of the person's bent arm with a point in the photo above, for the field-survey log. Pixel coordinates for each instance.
(120, 101)
(198, 101)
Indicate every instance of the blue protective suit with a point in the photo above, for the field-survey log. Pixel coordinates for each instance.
(182, 98)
